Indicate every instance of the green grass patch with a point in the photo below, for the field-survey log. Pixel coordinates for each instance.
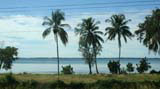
(101, 81)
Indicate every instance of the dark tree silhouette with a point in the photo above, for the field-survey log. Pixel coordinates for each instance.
(118, 28)
(55, 25)
(89, 32)
(7, 56)
(149, 31)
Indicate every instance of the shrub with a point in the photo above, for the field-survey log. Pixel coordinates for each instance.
(119, 84)
(123, 71)
(154, 72)
(8, 82)
(143, 66)
(30, 84)
(67, 70)
(130, 67)
(75, 85)
(57, 85)
(114, 67)
(7, 56)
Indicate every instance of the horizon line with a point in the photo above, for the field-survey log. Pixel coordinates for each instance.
(97, 57)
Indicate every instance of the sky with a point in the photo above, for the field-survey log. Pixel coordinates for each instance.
(21, 25)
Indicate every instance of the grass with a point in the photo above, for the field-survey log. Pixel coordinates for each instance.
(46, 78)
(101, 81)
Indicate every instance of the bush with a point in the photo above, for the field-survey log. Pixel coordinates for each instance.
(114, 67)
(74, 85)
(123, 71)
(130, 67)
(143, 66)
(8, 82)
(30, 84)
(57, 85)
(100, 84)
(154, 72)
(67, 70)
(119, 84)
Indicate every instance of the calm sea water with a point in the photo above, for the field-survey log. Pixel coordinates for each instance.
(48, 65)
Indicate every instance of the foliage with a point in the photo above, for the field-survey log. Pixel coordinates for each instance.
(118, 28)
(130, 67)
(87, 54)
(110, 82)
(143, 66)
(76, 85)
(67, 70)
(55, 25)
(7, 56)
(9, 82)
(117, 84)
(154, 72)
(89, 32)
(58, 85)
(114, 66)
(30, 84)
(123, 71)
(149, 31)
(90, 35)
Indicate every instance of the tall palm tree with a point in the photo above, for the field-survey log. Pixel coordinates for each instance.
(118, 28)
(55, 25)
(89, 31)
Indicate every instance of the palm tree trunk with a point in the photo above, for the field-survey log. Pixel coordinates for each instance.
(90, 69)
(119, 54)
(95, 60)
(119, 44)
(96, 66)
(57, 55)
(119, 59)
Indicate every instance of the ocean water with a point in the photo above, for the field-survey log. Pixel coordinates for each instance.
(49, 65)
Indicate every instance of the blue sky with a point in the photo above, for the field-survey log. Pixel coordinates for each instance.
(20, 25)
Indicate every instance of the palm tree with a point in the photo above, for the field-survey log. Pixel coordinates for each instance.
(149, 31)
(55, 25)
(89, 31)
(118, 28)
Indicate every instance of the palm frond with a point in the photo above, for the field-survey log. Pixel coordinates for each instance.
(65, 25)
(46, 32)
(98, 32)
(47, 21)
(63, 36)
(99, 38)
(125, 39)
(118, 27)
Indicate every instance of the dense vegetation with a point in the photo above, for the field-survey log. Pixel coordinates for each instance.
(31, 81)
(90, 37)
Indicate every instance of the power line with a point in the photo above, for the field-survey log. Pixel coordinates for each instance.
(86, 14)
(68, 15)
(103, 13)
(22, 32)
(108, 6)
(87, 4)
(102, 7)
